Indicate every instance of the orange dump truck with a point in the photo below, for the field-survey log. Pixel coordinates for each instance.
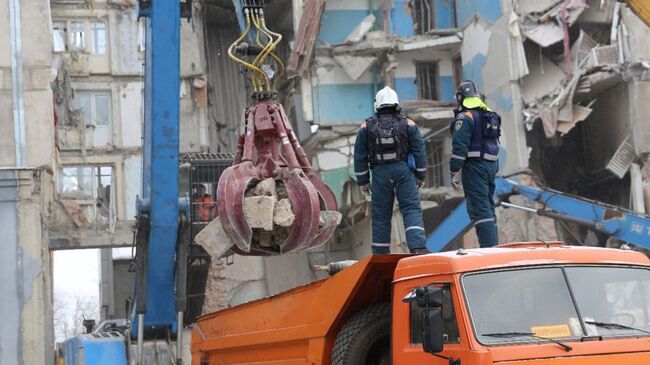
(533, 303)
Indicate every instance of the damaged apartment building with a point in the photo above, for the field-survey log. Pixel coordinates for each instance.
(569, 79)
(97, 63)
(339, 53)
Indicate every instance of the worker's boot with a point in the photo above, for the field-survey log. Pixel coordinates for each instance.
(420, 251)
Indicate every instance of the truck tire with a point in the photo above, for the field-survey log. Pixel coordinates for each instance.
(365, 338)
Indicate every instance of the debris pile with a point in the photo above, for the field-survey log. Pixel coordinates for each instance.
(584, 51)
(270, 215)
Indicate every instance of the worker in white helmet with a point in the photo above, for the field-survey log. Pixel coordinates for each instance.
(389, 161)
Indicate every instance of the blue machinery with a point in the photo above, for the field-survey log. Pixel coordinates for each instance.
(622, 224)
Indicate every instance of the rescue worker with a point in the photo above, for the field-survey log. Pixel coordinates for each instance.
(381, 151)
(203, 204)
(475, 131)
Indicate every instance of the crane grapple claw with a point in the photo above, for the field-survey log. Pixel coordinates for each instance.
(270, 168)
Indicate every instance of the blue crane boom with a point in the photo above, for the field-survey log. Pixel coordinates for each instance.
(622, 224)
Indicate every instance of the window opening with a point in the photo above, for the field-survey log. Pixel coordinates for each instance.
(435, 168)
(427, 80)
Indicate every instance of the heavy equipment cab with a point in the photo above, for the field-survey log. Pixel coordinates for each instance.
(516, 303)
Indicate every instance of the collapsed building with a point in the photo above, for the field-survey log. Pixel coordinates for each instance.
(570, 79)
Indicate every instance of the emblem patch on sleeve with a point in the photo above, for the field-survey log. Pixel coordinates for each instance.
(459, 124)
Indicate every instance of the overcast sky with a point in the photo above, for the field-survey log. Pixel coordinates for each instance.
(76, 272)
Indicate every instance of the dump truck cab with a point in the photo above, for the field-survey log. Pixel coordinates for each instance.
(546, 303)
(533, 303)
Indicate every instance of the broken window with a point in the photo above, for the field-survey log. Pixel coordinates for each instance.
(104, 181)
(435, 168)
(427, 80)
(96, 107)
(76, 182)
(423, 15)
(58, 32)
(89, 182)
(70, 35)
(77, 40)
(98, 29)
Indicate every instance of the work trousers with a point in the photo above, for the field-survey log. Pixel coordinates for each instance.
(478, 183)
(388, 181)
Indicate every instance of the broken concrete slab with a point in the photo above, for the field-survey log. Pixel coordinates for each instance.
(259, 211)
(282, 214)
(361, 30)
(543, 80)
(355, 66)
(329, 218)
(214, 239)
(266, 187)
(428, 42)
(545, 34)
(580, 113)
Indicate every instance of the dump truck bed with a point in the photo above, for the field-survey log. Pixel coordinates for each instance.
(295, 327)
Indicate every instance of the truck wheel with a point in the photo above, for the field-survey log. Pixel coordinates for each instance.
(365, 338)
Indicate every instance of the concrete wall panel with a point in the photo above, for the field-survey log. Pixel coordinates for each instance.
(36, 33)
(489, 10)
(124, 40)
(342, 103)
(39, 127)
(401, 19)
(336, 25)
(132, 184)
(640, 111)
(130, 112)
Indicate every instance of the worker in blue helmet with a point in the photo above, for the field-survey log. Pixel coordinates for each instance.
(475, 147)
(385, 144)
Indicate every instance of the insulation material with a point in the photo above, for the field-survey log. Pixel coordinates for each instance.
(361, 30)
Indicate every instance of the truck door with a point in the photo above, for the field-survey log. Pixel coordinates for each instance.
(407, 326)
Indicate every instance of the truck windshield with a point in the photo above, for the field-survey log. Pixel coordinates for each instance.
(559, 302)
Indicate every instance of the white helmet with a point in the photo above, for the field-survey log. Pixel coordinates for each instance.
(386, 97)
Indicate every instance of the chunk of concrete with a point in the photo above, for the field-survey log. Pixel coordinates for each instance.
(329, 218)
(282, 214)
(259, 211)
(266, 187)
(361, 29)
(214, 239)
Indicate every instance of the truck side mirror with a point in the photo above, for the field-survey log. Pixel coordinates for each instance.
(432, 330)
(425, 297)
(429, 298)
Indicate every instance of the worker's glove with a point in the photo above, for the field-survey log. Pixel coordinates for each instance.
(365, 188)
(420, 183)
(454, 176)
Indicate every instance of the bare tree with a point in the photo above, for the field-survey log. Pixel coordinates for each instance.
(69, 313)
